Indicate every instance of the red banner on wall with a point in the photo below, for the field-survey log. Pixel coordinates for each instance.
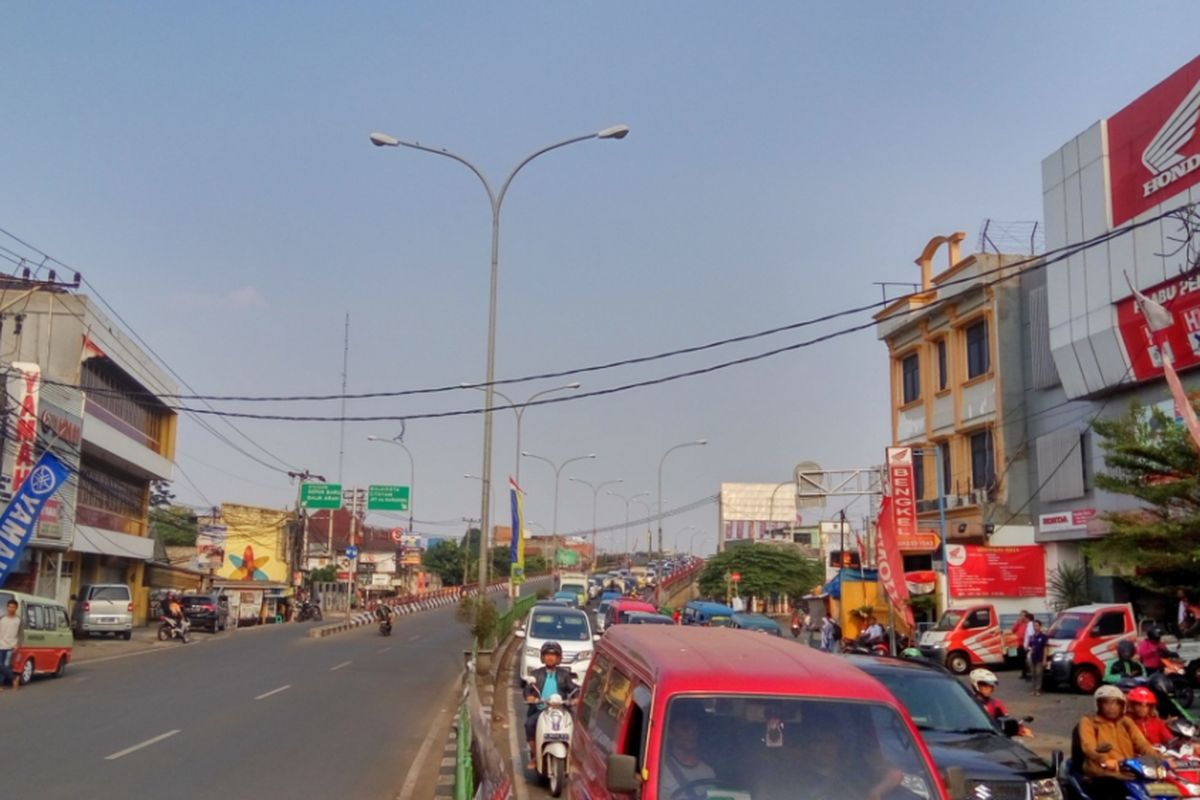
(1180, 296)
(977, 571)
(889, 562)
(1153, 149)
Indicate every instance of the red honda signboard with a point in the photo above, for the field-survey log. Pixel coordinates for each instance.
(1180, 296)
(977, 571)
(1153, 146)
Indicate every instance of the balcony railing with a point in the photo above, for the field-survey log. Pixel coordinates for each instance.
(103, 414)
(109, 520)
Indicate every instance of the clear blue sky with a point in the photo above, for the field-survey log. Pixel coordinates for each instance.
(207, 167)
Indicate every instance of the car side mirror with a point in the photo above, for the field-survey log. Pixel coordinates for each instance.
(955, 780)
(621, 774)
(519, 633)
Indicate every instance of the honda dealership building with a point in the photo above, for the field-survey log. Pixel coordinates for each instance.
(1115, 205)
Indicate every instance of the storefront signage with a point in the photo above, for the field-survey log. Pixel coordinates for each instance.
(1075, 520)
(23, 383)
(922, 542)
(1153, 146)
(977, 571)
(19, 517)
(60, 425)
(903, 493)
(1180, 296)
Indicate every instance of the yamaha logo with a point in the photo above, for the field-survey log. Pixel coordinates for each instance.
(1162, 156)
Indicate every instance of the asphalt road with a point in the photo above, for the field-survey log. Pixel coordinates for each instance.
(262, 713)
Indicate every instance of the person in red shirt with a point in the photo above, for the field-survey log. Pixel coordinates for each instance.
(1151, 650)
(1141, 711)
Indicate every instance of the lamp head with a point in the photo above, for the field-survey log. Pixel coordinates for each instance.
(702, 441)
(383, 140)
(373, 439)
(573, 385)
(615, 132)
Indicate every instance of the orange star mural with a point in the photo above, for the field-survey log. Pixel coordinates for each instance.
(249, 568)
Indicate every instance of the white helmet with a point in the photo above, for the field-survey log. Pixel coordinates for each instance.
(982, 676)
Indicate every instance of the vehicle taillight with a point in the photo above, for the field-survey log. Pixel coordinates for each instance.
(208, 607)
(130, 608)
(87, 606)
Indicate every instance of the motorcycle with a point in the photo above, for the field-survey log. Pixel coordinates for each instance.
(173, 629)
(308, 611)
(1166, 693)
(385, 624)
(552, 740)
(796, 630)
(1175, 669)
(1145, 779)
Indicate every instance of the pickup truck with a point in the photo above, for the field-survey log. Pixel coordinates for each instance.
(1083, 641)
(969, 637)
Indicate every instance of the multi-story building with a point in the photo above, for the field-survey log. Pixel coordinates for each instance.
(78, 385)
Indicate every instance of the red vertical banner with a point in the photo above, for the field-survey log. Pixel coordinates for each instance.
(888, 561)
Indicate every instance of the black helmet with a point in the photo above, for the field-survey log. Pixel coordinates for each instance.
(552, 647)
(1126, 650)
(1154, 634)
(1162, 687)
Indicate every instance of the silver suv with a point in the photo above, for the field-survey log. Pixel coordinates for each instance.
(103, 608)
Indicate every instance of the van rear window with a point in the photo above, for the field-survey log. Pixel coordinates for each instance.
(110, 593)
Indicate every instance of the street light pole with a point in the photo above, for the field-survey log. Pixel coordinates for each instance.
(595, 487)
(558, 468)
(649, 511)
(497, 202)
(412, 477)
(627, 500)
(662, 461)
(519, 409)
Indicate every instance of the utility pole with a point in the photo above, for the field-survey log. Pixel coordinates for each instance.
(303, 477)
(467, 549)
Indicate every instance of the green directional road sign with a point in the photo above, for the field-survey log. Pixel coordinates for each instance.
(321, 495)
(387, 498)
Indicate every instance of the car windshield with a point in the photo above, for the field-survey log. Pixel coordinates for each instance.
(764, 747)
(577, 588)
(624, 615)
(560, 627)
(1068, 626)
(936, 702)
(650, 619)
(719, 621)
(949, 621)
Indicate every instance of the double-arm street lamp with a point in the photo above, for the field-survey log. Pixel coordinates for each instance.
(627, 500)
(595, 487)
(661, 461)
(519, 409)
(496, 199)
(558, 468)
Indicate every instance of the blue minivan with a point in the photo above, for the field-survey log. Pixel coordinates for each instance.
(703, 612)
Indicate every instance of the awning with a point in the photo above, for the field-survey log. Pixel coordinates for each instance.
(111, 543)
(834, 587)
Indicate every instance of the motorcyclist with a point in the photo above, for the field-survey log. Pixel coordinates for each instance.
(912, 653)
(172, 609)
(983, 685)
(1126, 666)
(1152, 649)
(1140, 703)
(1119, 738)
(548, 679)
(874, 634)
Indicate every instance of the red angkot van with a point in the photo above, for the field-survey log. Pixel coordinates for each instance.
(689, 713)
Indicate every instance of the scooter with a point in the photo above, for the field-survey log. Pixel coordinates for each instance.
(172, 629)
(1145, 779)
(552, 741)
(796, 630)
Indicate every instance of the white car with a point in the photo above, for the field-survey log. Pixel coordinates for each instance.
(570, 627)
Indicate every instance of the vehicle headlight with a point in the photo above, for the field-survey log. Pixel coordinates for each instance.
(937, 646)
(1045, 789)
(532, 652)
(584, 655)
(1065, 656)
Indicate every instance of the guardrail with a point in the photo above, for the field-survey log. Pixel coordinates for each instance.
(681, 575)
(464, 770)
(506, 621)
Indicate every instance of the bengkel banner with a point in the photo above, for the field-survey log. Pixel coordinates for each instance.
(888, 561)
(902, 491)
(977, 571)
(1180, 296)
(1153, 149)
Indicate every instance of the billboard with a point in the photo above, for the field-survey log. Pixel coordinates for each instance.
(254, 544)
(1153, 149)
(1180, 296)
(978, 571)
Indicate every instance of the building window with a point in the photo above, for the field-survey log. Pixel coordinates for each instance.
(919, 475)
(124, 403)
(910, 369)
(983, 466)
(943, 377)
(947, 471)
(978, 359)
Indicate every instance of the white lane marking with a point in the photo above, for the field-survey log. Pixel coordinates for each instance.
(384, 650)
(283, 688)
(414, 638)
(339, 666)
(136, 747)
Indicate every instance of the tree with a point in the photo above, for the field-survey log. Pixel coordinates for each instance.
(174, 526)
(326, 574)
(765, 569)
(444, 559)
(1151, 458)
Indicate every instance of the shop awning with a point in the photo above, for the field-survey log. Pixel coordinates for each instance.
(111, 543)
(834, 587)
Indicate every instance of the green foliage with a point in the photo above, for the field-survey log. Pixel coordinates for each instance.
(765, 570)
(445, 559)
(1069, 586)
(326, 574)
(536, 565)
(480, 615)
(175, 526)
(1151, 458)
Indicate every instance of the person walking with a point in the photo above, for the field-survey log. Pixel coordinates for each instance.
(1039, 645)
(1020, 630)
(10, 635)
(830, 634)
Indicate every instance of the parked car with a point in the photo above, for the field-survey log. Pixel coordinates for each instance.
(959, 733)
(1083, 640)
(764, 718)
(646, 618)
(44, 644)
(103, 608)
(755, 622)
(570, 627)
(209, 611)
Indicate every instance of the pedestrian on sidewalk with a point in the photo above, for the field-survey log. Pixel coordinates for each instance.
(1020, 631)
(10, 636)
(1038, 655)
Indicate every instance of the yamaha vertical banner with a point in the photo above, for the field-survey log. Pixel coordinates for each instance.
(20, 516)
(518, 538)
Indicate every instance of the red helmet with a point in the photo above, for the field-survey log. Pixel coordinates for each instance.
(1141, 695)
